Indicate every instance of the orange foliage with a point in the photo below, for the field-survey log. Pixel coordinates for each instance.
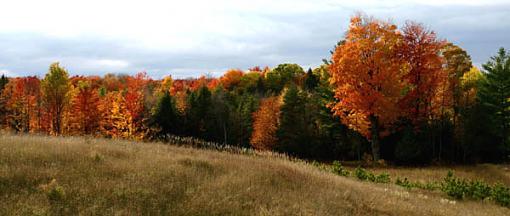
(265, 124)
(231, 78)
(85, 108)
(22, 96)
(421, 51)
(366, 74)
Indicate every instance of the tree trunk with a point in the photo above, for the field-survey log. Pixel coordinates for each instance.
(374, 130)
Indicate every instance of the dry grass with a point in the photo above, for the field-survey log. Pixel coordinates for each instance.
(69, 176)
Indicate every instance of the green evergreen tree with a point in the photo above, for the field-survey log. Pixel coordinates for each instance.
(295, 133)
(3, 81)
(311, 80)
(165, 117)
(198, 113)
(494, 94)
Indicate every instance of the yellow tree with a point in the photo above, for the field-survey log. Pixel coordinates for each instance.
(366, 74)
(55, 88)
(117, 121)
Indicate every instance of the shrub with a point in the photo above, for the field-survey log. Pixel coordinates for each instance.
(338, 169)
(383, 178)
(56, 194)
(501, 194)
(404, 183)
(361, 174)
(479, 190)
(365, 175)
(454, 187)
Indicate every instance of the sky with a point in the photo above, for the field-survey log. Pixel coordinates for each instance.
(203, 37)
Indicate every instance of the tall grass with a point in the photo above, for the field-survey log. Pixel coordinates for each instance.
(88, 176)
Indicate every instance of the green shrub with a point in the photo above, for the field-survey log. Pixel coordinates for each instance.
(361, 174)
(56, 194)
(383, 178)
(454, 187)
(404, 183)
(479, 190)
(338, 169)
(501, 194)
(365, 175)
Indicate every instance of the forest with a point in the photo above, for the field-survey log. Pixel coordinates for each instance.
(396, 94)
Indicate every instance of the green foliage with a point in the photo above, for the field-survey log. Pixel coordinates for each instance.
(365, 175)
(296, 132)
(3, 81)
(479, 190)
(56, 194)
(55, 88)
(198, 113)
(408, 184)
(404, 183)
(362, 174)
(501, 195)
(282, 75)
(165, 116)
(337, 168)
(382, 178)
(311, 80)
(494, 94)
(461, 188)
(454, 187)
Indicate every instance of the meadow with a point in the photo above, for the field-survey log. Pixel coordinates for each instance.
(89, 176)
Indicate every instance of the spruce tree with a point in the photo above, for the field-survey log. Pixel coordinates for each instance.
(494, 93)
(165, 116)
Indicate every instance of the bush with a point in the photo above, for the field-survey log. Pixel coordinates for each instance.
(361, 174)
(338, 169)
(56, 194)
(383, 178)
(454, 187)
(479, 190)
(501, 195)
(404, 183)
(365, 175)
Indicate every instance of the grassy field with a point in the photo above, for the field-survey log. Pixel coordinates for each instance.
(69, 176)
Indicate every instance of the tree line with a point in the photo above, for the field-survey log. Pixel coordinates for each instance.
(398, 94)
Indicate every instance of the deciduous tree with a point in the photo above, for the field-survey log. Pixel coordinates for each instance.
(366, 74)
(55, 88)
(265, 124)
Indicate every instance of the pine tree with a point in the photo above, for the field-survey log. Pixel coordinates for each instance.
(311, 80)
(494, 93)
(165, 116)
(293, 132)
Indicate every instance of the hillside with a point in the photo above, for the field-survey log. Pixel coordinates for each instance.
(44, 175)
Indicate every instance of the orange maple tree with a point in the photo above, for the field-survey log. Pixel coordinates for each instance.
(231, 78)
(366, 74)
(85, 108)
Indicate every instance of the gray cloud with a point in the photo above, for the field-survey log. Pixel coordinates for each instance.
(267, 38)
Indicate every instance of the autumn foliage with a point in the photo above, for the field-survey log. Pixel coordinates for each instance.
(385, 86)
(265, 124)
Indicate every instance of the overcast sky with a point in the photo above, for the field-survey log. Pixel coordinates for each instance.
(194, 37)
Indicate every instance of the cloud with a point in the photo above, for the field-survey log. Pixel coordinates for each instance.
(7, 73)
(190, 38)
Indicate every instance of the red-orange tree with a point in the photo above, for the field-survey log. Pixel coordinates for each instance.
(422, 52)
(85, 108)
(265, 124)
(366, 74)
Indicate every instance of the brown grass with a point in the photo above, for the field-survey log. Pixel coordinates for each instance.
(69, 176)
